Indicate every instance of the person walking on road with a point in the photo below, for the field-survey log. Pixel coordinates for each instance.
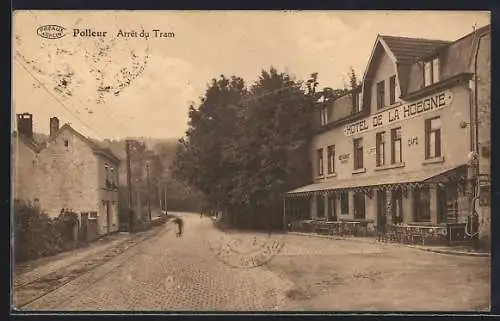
(180, 226)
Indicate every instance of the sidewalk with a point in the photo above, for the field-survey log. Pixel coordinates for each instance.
(458, 250)
(28, 272)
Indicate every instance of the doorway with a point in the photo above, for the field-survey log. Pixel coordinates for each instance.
(332, 207)
(381, 205)
(108, 217)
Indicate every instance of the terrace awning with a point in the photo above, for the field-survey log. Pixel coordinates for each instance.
(385, 180)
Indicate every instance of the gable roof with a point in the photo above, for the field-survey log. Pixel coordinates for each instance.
(96, 146)
(407, 50)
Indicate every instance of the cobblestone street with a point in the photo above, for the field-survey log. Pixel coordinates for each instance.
(168, 273)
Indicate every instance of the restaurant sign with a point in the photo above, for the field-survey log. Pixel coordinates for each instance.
(400, 113)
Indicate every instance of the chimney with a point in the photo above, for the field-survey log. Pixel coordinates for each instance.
(54, 126)
(25, 125)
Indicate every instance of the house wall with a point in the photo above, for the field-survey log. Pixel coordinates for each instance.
(484, 137)
(66, 176)
(108, 196)
(23, 170)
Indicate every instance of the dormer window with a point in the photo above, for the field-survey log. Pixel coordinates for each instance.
(324, 116)
(392, 90)
(381, 94)
(431, 72)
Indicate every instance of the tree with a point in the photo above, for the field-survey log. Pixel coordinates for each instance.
(199, 158)
(353, 80)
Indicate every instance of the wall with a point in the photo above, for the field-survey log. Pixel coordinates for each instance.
(384, 69)
(484, 137)
(66, 176)
(107, 194)
(454, 151)
(23, 170)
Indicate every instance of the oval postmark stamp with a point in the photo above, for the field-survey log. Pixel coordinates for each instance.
(241, 249)
(51, 31)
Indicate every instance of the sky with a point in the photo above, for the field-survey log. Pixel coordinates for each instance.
(116, 86)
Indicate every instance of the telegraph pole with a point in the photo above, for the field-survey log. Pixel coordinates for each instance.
(159, 194)
(149, 191)
(129, 183)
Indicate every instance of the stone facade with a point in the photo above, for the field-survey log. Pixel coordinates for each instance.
(67, 172)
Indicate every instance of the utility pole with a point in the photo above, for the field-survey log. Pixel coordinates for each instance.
(149, 191)
(129, 183)
(165, 191)
(159, 195)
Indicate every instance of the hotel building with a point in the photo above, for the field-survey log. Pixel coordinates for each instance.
(402, 144)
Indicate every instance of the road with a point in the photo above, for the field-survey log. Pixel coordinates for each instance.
(166, 273)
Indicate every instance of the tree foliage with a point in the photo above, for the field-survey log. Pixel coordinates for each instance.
(239, 141)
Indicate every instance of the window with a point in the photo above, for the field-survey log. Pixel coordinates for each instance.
(443, 197)
(358, 153)
(380, 149)
(396, 148)
(66, 143)
(112, 176)
(432, 138)
(344, 203)
(380, 94)
(106, 173)
(320, 202)
(332, 210)
(397, 206)
(435, 70)
(357, 102)
(360, 101)
(422, 204)
(431, 72)
(359, 205)
(427, 73)
(331, 159)
(392, 90)
(324, 115)
(320, 162)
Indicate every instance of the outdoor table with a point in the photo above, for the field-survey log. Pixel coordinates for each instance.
(422, 232)
(334, 227)
(349, 227)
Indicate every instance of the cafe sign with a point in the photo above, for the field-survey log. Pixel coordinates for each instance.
(400, 113)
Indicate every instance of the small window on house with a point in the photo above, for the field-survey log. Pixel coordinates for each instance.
(380, 94)
(331, 159)
(66, 143)
(356, 101)
(427, 73)
(320, 161)
(392, 90)
(380, 149)
(433, 137)
(324, 116)
(344, 203)
(358, 153)
(360, 101)
(396, 146)
(431, 72)
(435, 70)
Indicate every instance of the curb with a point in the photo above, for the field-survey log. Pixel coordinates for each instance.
(416, 247)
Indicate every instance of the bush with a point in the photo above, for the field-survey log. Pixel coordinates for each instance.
(65, 224)
(35, 234)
